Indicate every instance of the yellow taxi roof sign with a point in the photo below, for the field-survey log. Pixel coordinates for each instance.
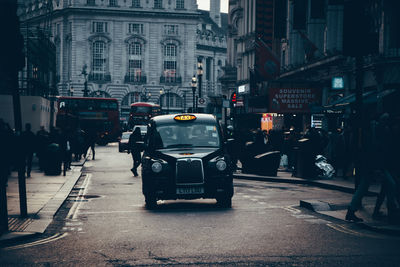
(185, 117)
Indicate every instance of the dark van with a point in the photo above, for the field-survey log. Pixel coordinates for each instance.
(185, 157)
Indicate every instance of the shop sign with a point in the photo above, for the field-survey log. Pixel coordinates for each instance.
(244, 88)
(337, 83)
(293, 100)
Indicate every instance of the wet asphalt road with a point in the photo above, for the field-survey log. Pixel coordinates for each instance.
(104, 223)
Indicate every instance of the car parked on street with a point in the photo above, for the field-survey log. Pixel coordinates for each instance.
(186, 157)
(123, 141)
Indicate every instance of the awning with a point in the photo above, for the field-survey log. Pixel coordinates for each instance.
(368, 98)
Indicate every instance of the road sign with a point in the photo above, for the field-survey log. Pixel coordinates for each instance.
(202, 101)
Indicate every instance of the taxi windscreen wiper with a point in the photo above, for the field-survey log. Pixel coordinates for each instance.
(179, 145)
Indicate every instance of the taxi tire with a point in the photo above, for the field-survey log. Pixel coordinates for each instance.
(151, 202)
(224, 201)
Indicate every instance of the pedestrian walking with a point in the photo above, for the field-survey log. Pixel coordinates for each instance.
(90, 141)
(367, 160)
(386, 163)
(135, 149)
(28, 142)
(78, 141)
(7, 140)
(42, 141)
(338, 152)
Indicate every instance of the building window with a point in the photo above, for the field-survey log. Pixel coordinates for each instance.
(135, 28)
(180, 4)
(99, 27)
(91, 2)
(99, 60)
(135, 3)
(113, 3)
(157, 3)
(170, 51)
(171, 29)
(135, 62)
(170, 63)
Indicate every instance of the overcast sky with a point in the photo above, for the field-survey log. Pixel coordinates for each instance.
(205, 4)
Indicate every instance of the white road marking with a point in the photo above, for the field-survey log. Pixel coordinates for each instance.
(73, 212)
(39, 242)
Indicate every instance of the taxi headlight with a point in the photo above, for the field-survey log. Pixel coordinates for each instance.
(156, 167)
(221, 165)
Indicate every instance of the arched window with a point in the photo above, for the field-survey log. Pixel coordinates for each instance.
(99, 60)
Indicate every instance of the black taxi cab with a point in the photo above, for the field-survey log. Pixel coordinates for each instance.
(185, 157)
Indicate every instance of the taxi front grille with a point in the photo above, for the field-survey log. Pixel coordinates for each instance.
(189, 171)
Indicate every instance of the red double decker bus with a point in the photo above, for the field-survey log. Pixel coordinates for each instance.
(90, 114)
(141, 112)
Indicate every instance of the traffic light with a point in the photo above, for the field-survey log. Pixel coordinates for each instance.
(233, 98)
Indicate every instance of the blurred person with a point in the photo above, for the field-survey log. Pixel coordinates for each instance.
(28, 143)
(338, 151)
(43, 140)
(386, 163)
(7, 140)
(90, 141)
(367, 161)
(135, 149)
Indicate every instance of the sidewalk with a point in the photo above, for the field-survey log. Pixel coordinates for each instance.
(335, 208)
(45, 194)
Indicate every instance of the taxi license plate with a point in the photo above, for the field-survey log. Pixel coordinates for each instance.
(189, 190)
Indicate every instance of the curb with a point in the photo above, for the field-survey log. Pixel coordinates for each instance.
(296, 180)
(10, 237)
(320, 206)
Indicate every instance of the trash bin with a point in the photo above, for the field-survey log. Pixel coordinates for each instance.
(305, 160)
(53, 160)
(267, 163)
(262, 164)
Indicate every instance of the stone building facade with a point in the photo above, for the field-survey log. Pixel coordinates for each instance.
(132, 50)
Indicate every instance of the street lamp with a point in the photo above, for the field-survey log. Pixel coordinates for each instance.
(161, 93)
(199, 76)
(194, 85)
(145, 95)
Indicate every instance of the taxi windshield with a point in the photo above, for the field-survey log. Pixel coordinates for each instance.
(186, 134)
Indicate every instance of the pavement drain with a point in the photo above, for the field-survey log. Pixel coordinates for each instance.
(18, 224)
(81, 198)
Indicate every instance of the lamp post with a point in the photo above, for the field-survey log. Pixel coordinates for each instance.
(194, 85)
(200, 75)
(85, 74)
(145, 95)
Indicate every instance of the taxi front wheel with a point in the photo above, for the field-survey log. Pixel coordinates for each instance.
(151, 201)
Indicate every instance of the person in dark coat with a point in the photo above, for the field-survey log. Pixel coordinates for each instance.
(90, 141)
(28, 142)
(135, 149)
(43, 140)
